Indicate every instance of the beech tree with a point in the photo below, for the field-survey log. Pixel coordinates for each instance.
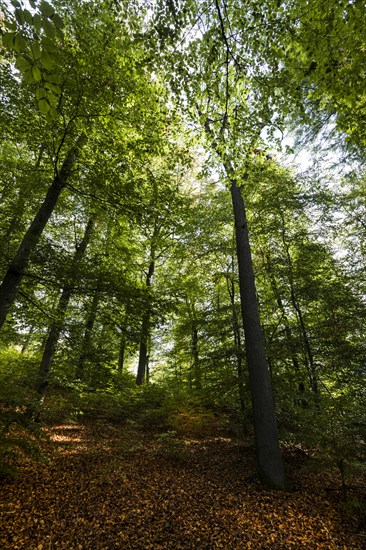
(217, 94)
(90, 95)
(56, 326)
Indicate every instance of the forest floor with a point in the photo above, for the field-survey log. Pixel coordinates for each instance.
(109, 486)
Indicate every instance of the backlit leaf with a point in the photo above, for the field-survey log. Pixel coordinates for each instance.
(36, 50)
(41, 93)
(43, 106)
(22, 64)
(19, 43)
(37, 75)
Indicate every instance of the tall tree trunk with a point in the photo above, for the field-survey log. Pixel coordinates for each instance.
(145, 327)
(270, 465)
(89, 325)
(56, 327)
(269, 458)
(15, 272)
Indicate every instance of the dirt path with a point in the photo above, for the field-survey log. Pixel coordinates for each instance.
(108, 487)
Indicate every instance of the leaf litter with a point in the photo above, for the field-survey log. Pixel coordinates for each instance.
(107, 487)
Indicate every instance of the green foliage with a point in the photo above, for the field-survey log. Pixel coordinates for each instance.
(32, 41)
(334, 432)
(18, 373)
(20, 434)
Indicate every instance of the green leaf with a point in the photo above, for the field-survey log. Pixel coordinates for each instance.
(48, 44)
(28, 76)
(49, 28)
(37, 75)
(46, 9)
(53, 112)
(22, 64)
(19, 43)
(11, 25)
(28, 18)
(59, 33)
(41, 93)
(15, 3)
(53, 79)
(36, 50)
(53, 100)
(19, 16)
(43, 106)
(58, 21)
(37, 22)
(33, 4)
(52, 87)
(46, 60)
(8, 40)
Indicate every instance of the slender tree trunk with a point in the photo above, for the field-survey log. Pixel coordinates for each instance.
(145, 328)
(269, 458)
(28, 339)
(56, 327)
(89, 325)
(88, 331)
(196, 370)
(121, 354)
(286, 324)
(141, 369)
(147, 376)
(15, 272)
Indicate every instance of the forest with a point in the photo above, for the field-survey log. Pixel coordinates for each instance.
(182, 274)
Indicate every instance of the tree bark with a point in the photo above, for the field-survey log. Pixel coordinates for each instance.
(270, 463)
(15, 272)
(145, 328)
(56, 327)
(269, 458)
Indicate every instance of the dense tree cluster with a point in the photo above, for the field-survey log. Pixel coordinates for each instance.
(151, 229)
